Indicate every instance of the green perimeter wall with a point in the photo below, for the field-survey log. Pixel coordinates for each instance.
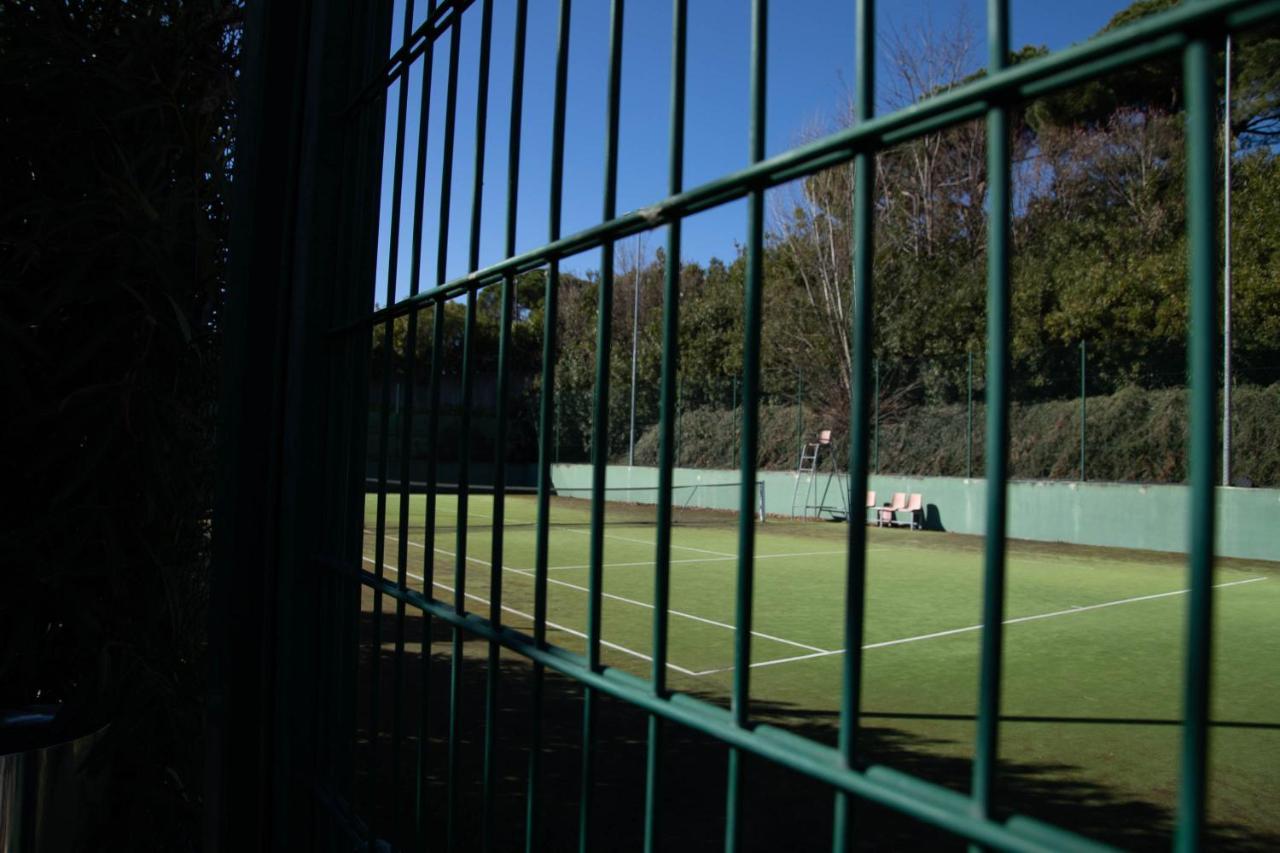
(1122, 515)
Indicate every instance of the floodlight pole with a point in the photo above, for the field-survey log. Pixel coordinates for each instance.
(635, 333)
(1226, 276)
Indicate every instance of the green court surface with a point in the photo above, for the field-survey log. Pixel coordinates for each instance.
(1093, 642)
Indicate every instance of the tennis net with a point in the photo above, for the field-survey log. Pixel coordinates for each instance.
(704, 504)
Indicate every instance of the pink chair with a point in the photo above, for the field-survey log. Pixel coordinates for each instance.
(871, 501)
(915, 511)
(888, 514)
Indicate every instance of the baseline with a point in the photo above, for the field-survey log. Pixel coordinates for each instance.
(970, 628)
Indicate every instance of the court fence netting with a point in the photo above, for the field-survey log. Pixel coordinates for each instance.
(312, 741)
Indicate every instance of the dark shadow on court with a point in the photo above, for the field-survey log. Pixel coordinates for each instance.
(784, 810)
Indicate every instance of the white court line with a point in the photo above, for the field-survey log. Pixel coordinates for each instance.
(652, 544)
(644, 604)
(521, 613)
(720, 555)
(970, 628)
(699, 560)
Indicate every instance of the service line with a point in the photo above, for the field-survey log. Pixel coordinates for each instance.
(625, 600)
(970, 628)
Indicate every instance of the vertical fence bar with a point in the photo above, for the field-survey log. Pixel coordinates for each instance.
(739, 707)
(860, 332)
(1197, 70)
(481, 129)
(548, 410)
(998, 213)
(442, 256)
(968, 426)
(388, 344)
(429, 564)
(600, 427)
(666, 429)
(1200, 102)
(460, 568)
(464, 426)
(500, 438)
(1083, 368)
(406, 466)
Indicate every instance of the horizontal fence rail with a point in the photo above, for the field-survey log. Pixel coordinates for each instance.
(1191, 29)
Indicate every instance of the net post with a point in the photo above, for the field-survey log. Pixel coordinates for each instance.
(739, 707)
(860, 404)
(998, 214)
(1198, 83)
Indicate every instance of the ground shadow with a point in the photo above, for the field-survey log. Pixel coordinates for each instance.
(784, 810)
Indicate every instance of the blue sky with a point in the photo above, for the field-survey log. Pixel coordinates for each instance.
(810, 74)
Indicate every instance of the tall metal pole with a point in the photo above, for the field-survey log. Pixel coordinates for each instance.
(875, 435)
(679, 421)
(635, 332)
(968, 451)
(800, 409)
(1226, 277)
(734, 418)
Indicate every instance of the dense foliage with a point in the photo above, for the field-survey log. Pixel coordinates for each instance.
(1133, 435)
(115, 121)
(1099, 256)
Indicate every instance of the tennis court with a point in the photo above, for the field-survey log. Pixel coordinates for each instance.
(1094, 636)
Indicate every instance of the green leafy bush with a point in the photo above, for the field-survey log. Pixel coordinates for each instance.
(117, 127)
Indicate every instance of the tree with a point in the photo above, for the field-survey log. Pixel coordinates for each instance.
(117, 142)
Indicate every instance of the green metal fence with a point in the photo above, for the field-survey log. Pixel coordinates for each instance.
(1194, 30)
